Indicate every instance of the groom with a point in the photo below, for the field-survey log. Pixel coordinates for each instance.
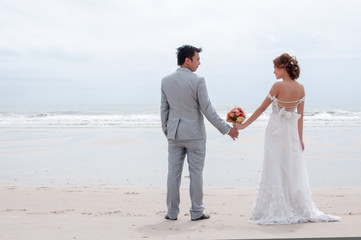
(184, 102)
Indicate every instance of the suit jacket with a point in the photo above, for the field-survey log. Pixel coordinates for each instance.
(184, 102)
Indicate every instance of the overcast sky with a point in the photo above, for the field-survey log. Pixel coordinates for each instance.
(114, 51)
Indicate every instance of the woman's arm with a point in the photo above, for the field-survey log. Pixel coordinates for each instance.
(255, 115)
(260, 109)
(300, 109)
(300, 123)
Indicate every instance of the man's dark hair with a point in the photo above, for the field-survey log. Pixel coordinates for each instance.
(186, 51)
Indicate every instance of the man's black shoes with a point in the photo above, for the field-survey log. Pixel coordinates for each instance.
(168, 218)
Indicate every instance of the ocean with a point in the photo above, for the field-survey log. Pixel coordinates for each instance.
(147, 116)
(124, 145)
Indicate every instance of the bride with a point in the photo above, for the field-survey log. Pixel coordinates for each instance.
(284, 195)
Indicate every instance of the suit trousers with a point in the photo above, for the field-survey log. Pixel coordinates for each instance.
(195, 150)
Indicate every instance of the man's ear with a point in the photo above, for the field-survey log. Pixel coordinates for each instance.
(188, 61)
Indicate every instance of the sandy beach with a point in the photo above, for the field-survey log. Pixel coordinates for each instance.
(110, 184)
(104, 212)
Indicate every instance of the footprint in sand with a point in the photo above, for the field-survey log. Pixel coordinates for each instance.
(15, 210)
(161, 213)
(62, 211)
(131, 193)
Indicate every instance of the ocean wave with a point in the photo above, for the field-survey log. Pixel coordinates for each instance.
(102, 119)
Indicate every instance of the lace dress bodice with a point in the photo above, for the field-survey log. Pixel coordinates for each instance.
(277, 104)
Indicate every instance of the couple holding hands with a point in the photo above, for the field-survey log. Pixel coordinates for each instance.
(283, 195)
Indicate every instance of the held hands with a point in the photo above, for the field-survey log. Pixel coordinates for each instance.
(233, 133)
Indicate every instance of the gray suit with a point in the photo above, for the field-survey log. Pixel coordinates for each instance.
(184, 102)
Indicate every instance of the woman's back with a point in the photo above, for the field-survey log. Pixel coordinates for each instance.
(289, 94)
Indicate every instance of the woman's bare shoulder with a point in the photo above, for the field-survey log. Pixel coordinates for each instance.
(301, 88)
(277, 85)
(275, 88)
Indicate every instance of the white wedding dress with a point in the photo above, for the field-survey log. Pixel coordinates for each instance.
(284, 195)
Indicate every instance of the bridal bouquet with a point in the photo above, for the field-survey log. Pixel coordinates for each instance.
(236, 115)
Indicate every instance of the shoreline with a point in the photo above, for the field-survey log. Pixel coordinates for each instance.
(109, 212)
(138, 157)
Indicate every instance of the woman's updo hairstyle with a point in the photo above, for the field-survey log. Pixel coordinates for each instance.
(289, 63)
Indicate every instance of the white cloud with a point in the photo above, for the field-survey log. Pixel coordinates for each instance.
(126, 45)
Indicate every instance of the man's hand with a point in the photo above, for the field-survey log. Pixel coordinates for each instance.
(233, 133)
